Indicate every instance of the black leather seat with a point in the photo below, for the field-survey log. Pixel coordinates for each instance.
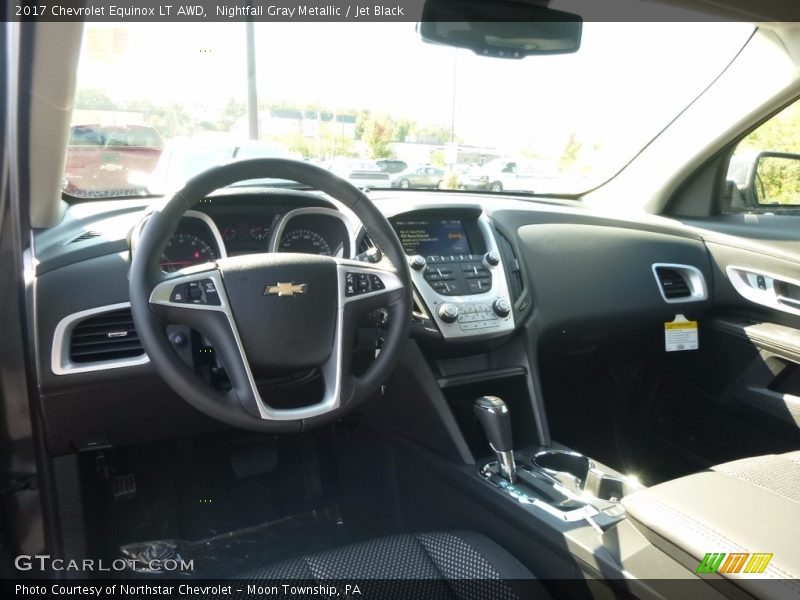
(421, 565)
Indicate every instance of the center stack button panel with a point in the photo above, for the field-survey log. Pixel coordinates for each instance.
(467, 294)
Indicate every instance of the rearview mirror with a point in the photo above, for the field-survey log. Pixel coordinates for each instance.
(502, 28)
(776, 179)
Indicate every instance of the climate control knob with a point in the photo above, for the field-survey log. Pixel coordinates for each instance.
(501, 307)
(417, 262)
(448, 312)
(493, 258)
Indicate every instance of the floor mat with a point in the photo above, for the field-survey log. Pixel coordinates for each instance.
(237, 552)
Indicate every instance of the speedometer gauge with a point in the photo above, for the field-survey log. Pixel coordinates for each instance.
(185, 250)
(304, 241)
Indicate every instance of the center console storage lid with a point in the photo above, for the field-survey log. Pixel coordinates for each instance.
(745, 507)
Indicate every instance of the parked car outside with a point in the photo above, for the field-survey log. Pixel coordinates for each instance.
(419, 177)
(505, 174)
(456, 177)
(392, 165)
(183, 158)
(361, 173)
(109, 157)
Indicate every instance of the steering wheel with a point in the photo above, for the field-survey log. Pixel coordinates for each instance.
(270, 312)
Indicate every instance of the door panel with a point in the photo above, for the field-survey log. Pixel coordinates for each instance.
(754, 329)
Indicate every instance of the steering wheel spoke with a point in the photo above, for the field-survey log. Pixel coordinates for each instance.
(365, 287)
(179, 297)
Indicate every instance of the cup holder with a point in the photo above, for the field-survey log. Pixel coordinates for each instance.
(563, 461)
(581, 475)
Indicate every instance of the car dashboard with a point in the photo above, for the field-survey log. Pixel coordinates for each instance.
(487, 272)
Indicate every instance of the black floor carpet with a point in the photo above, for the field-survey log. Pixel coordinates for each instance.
(237, 552)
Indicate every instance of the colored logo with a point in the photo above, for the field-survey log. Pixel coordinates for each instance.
(285, 289)
(737, 562)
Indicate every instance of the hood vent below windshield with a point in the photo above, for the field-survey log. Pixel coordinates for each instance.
(86, 235)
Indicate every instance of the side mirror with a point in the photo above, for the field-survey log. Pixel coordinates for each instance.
(775, 179)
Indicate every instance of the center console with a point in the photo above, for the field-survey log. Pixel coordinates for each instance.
(458, 271)
(559, 482)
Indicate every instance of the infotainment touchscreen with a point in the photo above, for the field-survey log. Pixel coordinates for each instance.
(433, 237)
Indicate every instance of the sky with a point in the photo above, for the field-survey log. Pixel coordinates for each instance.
(625, 84)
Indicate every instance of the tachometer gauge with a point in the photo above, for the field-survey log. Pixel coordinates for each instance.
(230, 234)
(304, 241)
(185, 250)
(259, 232)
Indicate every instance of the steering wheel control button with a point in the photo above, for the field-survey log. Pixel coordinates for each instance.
(502, 307)
(448, 312)
(417, 262)
(211, 296)
(492, 258)
(203, 291)
(350, 284)
(194, 293)
(362, 283)
(178, 293)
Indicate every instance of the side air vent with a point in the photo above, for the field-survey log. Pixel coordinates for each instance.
(673, 285)
(365, 244)
(97, 339)
(86, 235)
(513, 269)
(367, 250)
(107, 336)
(680, 283)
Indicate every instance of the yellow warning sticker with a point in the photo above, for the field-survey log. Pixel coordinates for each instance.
(680, 334)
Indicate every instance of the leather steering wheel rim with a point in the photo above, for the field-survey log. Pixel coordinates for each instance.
(148, 284)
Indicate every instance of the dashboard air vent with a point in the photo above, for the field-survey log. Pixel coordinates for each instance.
(513, 270)
(105, 336)
(365, 244)
(86, 235)
(673, 284)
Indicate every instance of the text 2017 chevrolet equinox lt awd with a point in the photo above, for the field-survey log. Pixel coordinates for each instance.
(262, 378)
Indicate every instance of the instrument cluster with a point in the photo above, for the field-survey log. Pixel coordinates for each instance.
(202, 238)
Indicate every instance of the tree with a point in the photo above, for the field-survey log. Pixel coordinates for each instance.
(94, 100)
(378, 132)
(403, 129)
(438, 158)
(570, 154)
(362, 118)
(171, 120)
(233, 111)
(435, 134)
(778, 179)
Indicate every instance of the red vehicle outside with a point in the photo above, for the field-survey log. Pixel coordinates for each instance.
(108, 158)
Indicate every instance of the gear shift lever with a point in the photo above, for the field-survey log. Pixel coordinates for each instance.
(495, 418)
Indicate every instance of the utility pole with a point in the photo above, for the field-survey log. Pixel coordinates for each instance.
(453, 108)
(252, 94)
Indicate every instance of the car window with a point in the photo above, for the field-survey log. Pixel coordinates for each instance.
(764, 171)
(86, 136)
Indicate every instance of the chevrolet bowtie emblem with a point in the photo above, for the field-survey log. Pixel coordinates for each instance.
(285, 289)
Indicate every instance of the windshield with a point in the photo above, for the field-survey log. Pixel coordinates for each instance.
(158, 103)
